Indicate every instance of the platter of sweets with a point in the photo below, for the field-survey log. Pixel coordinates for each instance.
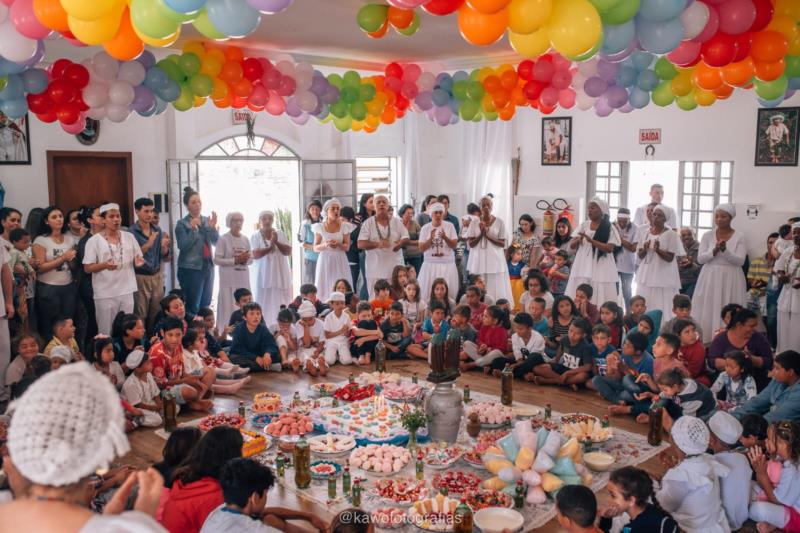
(433, 514)
(254, 443)
(589, 429)
(492, 415)
(323, 389)
(549, 424)
(233, 420)
(456, 482)
(573, 418)
(399, 491)
(266, 402)
(307, 406)
(440, 455)
(388, 518)
(258, 421)
(362, 420)
(485, 498)
(325, 469)
(330, 444)
(353, 392)
(378, 378)
(474, 456)
(404, 391)
(380, 459)
(289, 424)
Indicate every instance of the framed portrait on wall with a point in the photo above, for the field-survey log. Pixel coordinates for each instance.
(776, 137)
(557, 141)
(15, 143)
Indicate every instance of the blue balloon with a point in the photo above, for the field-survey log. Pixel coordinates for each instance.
(647, 80)
(455, 105)
(35, 80)
(324, 111)
(639, 98)
(641, 60)
(150, 111)
(659, 37)
(8, 67)
(445, 82)
(155, 78)
(661, 10)
(14, 88)
(440, 97)
(14, 108)
(617, 37)
(460, 76)
(161, 106)
(233, 18)
(185, 6)
(169, 92)
(626, 76)
(770, 103)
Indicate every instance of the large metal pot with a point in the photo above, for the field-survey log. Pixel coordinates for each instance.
(445, 409)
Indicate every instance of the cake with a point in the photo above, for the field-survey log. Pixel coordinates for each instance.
(267, 402)
(253, 443)
(361, 420)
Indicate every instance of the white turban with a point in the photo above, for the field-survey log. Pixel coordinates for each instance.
(266, 212)
(330, 203)
(229, 217)
(601, 204)
(726, 427)
(728, 208)
(795, 226)
(487, 197)
(62, 352)
(690, 435)
(108, 207)
(134, 359)
(306, 309)
(336, 296)
(438, 206)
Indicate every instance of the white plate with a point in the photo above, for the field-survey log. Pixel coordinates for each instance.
(323, 439)
(497, 519)
(527, 411)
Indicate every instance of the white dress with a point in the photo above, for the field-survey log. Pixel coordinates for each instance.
(489, 261)
(273, 280)
(380, 262)
(657, 280)
(721, 281)
(440, 259)
(332, 264)
(789, 303)
(231, 275)
(601, 273)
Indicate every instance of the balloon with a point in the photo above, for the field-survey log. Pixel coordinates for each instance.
(15, 108)
(764, 12)
(626, 76)
(411, 29)
(622, 12)
(117, 113)
(189, 64)
(233, 18)
(13, 46)
(133, 72)
(35, 80)
(664, 69)
(231, 72)
(659, 37)
(616, 96)
(371, 17)
(768, 46)
(661, 10)
(711, 28)
(527, 16)
(442, 7)
(95, 94)
(60, 91)
(39, 103)
(706, 77)
(185, 6)
(663, 95)
(617, 37)
(607, 71)
(67, 112)
(681, 84)
(202, 85)
(207, 28)
(24, 19)
(149, 19)
(694, 19)
(270, 6)
(687, 53)
(400, 18)
(51, 14)
(770, 71)
(488, 7)
(89, 9)
(381, 31)
(574, 27)
(736, 16)
(143, 99)
(639, 98)
(480, 28)
(770, 90)
(719, 50)
(276, 105)
(120, 93)
(566, 98)
(532, 45)
(595, 86)
(647, 80)
(125, 45)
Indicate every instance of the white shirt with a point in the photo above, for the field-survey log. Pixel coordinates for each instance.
(735, 487)
(192, 362)
(126, 522)
(136, 391)
(220, 521)
(640, 218)
(61, 275)
(439, 251)
(534, 345)
(690, 492)
(4, 257)
(122, 280)
(380, 262)
(335, 323)
(317, 331)
(527, 298)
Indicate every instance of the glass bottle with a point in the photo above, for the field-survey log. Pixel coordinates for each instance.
(380, 357)
(519, 495)
(420, 467)
(331, 487)
(415, 378)
(466, 394)
(355, 496)
(280, 465)
(606, 421)
(346, 480)
(170, 408)
(507, 386)
(654, 433)
(302, 463)
(548, 411)
(335, 402)
(296, 397)
(242, 410)
(351, 378)
(462, 518)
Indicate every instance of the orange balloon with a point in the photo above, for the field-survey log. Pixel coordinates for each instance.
(243, 88)
(381, 31)
(500, 98)
(518, 97)
(389, 115)
(125, 45)
(223, 102)
(400, 18)
(238, 102)
(785, 25)
(234, 53)
(491, 84)
(768, 46)
(770, 71)
(723, 91)
(706, 77)
(51, 14)
(487, 104)
(705, 98)
(220, 90)
(739, 73)
(507, 113)
(479, 28)
(199, 101)
(231, 72)
(488, 7)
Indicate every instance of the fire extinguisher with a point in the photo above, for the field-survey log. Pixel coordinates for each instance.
(548, 218)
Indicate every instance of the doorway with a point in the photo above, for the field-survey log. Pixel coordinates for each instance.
(89, 178)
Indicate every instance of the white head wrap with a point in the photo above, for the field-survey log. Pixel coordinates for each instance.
(134, 359)
(335, 296)
(230, 216)
(62, 352)
(327, 205)
(266, 212)
(728, 208)
(433, 208)
(108, 207)
(601, 204)
(660, 207)
(726, 427)
(66, 426)
(795, 226)
(306, 309)
(487, 197)
(690, 435)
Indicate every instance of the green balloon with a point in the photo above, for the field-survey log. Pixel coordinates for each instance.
(477, 118)
(336, 81)
(475, 90)
(792, 67)
(343, 124)
(149, 19)
(3, 82)
(358, 110)
(172, 70)
(189, 64)
(204, 25)
(328, 118)
(664, 69)
(460, 89)
(352, 79)
(366, 92)
(468, 109)
(371, 17)
(771, 90)
(412, 28)
(339, 109)
(201, 84)
(624, 11)
(490, 116)
(349, 94)
(186, 99)
(687, 102)
(473, 76)
(662, 94)
(604, 5)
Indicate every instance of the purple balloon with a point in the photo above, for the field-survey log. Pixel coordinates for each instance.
(621, 56)
(595, 86)
(424, 100)
(37, 56)
(143, 99)
(606, 70)
(331, 95)
(602, 108)
(616, 97)
(319, 85)
(627, 108)
(442, 115)
(147, 59)
(292, 108)
(301, 119)
(270, 6)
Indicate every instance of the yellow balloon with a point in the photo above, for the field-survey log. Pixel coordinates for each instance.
(199, 101)
(94, 32)
(91, 9)
(794, 47)
(372, 121)
(357, 125)
(574, 27)
(705, 98)
(681, 85)
(788, 7)
(196, 48)
(531, 45)
(484, 73)
(504, 68)
(159, 43)
(784, 24)
(527, 16)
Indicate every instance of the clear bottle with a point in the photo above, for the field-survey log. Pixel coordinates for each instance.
(355, 496)
(346, 480)
(507, 386)
(462, 518)
(302, 463)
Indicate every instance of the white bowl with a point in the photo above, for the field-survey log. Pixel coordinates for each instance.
(497, 519)
(598, 461)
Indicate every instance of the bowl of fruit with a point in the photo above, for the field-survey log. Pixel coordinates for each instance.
(325, 469)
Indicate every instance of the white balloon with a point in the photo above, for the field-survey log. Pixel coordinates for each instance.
(303, 80)
(120, 93)
(97, 113)
(426, 82)
(286, 68)
(14, 46)
(105, 66)
(307, 101)
(131, 71)
(694, 19)
(3, 13)
(117, 113)
(584, 101)
(304, 67)
(95, 94)
(588, 68)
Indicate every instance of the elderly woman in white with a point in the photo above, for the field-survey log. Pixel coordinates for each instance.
(788, 269)
(273, 280)
(722, 253)
(487, 257)
(232, 256)
(331, 241)
(382, 237)
(657, 277)
(438, 239)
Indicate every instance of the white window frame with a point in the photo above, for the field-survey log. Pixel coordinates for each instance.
(702, 185)
(608, 173)
(369, 179)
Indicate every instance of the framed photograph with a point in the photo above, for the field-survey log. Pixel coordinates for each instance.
(15, 142)
(557, 141)
(776, 137)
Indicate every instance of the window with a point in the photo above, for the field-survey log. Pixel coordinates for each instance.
(703, 185)
(241, 146)
(378, 175)
(609, 181)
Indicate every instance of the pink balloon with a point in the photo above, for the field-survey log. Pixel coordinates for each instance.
(259, 96)
(26, 23)
(409, 90)
(711, 26)
(685, 54)
(276, 104)
(7, 2)
(735, 16)
(561, 63)
(566, 98)
(561, 79)
(75, 128)
(549, 96)
(411, 72)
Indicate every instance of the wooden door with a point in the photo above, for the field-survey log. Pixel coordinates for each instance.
(90, 178)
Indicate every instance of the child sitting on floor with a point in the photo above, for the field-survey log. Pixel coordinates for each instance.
(194, 365)
(601, 349)
(611, 315)
(538, 310)
(413, 307)
(310, 332)
(253, 346)
(692, 352)
(461, 322)
(286, 337)
(619, 385)
(396, 332)
(527, 349)
(245, 486)
(681, 396)
(682, 309)
(308, 291)
(780, 510)
(572, 365)
(754, 430)
(636, 309)
(59, 356)
(366, 335)
(64, 335)
(564, 313)
(242, 297)
(576, 509)
(492, 341)
(434, 324)
(735, 380)
(584, 305)
(26, 346)
(728, 312)
(383, 300)
(104, 360)
(631, 491)
(213, 339)
(179, 445)
(141, 390)
(337, 328)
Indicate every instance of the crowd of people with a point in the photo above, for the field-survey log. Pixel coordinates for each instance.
(709, 334)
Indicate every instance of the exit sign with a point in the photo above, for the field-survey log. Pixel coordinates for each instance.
(650, 136)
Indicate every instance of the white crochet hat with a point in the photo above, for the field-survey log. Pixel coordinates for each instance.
(306, 309)
(726, 427)
(134, 359)
(62, 352)
(690, 435)
(66, 426)
(335, 296)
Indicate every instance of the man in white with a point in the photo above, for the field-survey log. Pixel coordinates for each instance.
(777, 135)
(735, 487)
(337, 331)
(656, 197)
(7, 313)
(382, 237)
(110, 258)
(438, 239)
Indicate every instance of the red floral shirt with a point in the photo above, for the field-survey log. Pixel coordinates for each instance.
(167, 365)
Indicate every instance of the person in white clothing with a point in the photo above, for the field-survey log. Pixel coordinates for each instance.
(310, 332)
(273, 279)
(337, 327)
(690, 490)
(721, 281)
(6, 314)
(140, 389)
(382, 237)
(657, 277)
(788, 271)
(487, 256)
(438, 239)
(735, 487)
(110, 258)
(594, 241)
(656, 197)
(232, 256)
(331, 242)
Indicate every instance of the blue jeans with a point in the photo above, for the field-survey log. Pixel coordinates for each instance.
(625, 281)
(688, 289)
(197, 286)
(363, 294)
(616, 390)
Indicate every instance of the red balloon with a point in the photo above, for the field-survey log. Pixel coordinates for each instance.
(442, 7)
(743, 46)
(764, 12)
(39, 103)
(58, 68)
(719, 51)
(687, 53)
(525, 70)
(61, 91)
(287, 86)
(402, 103)
(81, 104)
(67, 113)
(77, 75)
(238, 102)
(48, 117)
(533, 89)
(393, 70)
(272, 79)
(252, 69)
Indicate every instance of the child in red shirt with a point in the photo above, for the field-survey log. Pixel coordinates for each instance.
(383, 300)
(492, 341)
(692, 353)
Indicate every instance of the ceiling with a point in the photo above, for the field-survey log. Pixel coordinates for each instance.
(325, 33)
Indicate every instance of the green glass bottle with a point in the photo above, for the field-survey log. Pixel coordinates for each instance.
(420, 467)
(331, 487)
(519, 495)
(462, 518)
(280, 465)
(302, 463)
(355, 496)
(548, 411)
(346, 480)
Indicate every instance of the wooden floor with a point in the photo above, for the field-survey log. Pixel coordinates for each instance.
(146, 446)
